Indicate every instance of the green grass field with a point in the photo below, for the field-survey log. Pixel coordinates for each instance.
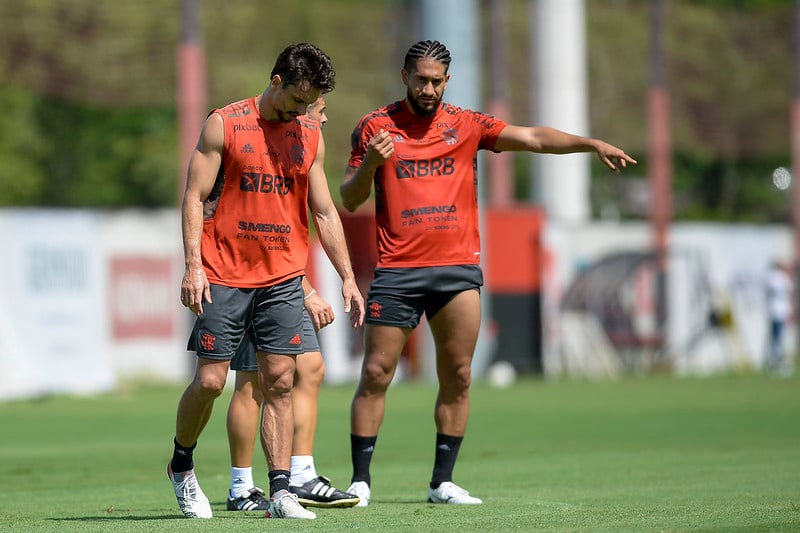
(640, 454)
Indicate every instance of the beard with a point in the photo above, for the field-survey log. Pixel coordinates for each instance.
(423, 109)
(287, 116)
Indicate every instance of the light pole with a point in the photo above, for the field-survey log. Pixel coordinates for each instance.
(191, 86)
(660, 162)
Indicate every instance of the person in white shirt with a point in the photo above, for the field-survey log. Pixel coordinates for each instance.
(779, 293)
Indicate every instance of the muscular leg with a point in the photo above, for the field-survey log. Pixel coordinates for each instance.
(242, 424)
(276, 376)
(455, 333)
(382, 348)
(311, 489)
(308, 380)
(194, 410)
(197, 401)
(242, 421)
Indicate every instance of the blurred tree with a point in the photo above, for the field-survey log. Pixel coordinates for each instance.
(23, 147)
(113, 158)
(89, 92)
(728, 73)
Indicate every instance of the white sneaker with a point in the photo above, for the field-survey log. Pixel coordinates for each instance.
(191, 500)
(449, 492)
(360, 489)
(284, 504)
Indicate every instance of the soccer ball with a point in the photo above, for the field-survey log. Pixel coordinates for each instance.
(501, 375)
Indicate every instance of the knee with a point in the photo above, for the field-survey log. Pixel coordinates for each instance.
(376, 377)
(209, 386)
(458, 379)
(278, 384)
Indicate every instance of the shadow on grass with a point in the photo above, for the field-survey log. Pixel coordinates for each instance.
(116, 518)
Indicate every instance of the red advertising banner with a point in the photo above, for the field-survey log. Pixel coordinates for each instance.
(142, 297)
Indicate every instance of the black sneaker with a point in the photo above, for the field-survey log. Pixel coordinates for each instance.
(252, 500)
(319, 493)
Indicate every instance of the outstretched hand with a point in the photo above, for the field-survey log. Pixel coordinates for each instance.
(612, 157)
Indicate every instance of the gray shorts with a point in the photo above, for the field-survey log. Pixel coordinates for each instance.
(399, 296)
(246, 360)
(272, 316)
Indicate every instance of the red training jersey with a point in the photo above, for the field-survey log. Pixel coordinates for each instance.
(255, 221)
(426, 199)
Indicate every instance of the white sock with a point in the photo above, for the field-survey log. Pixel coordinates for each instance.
(241, 481)
(303, 469)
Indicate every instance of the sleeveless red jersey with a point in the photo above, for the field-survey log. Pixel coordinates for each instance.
(426, 198)
(255, 221)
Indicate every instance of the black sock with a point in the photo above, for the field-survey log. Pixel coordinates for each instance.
(446, 453)
(182, 457)
(278, 480)
(361, 449)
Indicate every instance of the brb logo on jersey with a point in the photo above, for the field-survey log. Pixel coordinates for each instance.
(266, 183)
(422, 168)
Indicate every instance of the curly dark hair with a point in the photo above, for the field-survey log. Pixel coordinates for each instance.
(430, 49)
(305, 62)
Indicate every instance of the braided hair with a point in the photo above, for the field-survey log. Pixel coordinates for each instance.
(430, 49)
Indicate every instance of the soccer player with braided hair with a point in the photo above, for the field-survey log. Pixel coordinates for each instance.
(420, 154)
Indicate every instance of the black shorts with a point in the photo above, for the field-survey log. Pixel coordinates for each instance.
(273, 316)
(245, 358)
(399, 296)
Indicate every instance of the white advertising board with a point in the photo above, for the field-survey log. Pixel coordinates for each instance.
(51, 289)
